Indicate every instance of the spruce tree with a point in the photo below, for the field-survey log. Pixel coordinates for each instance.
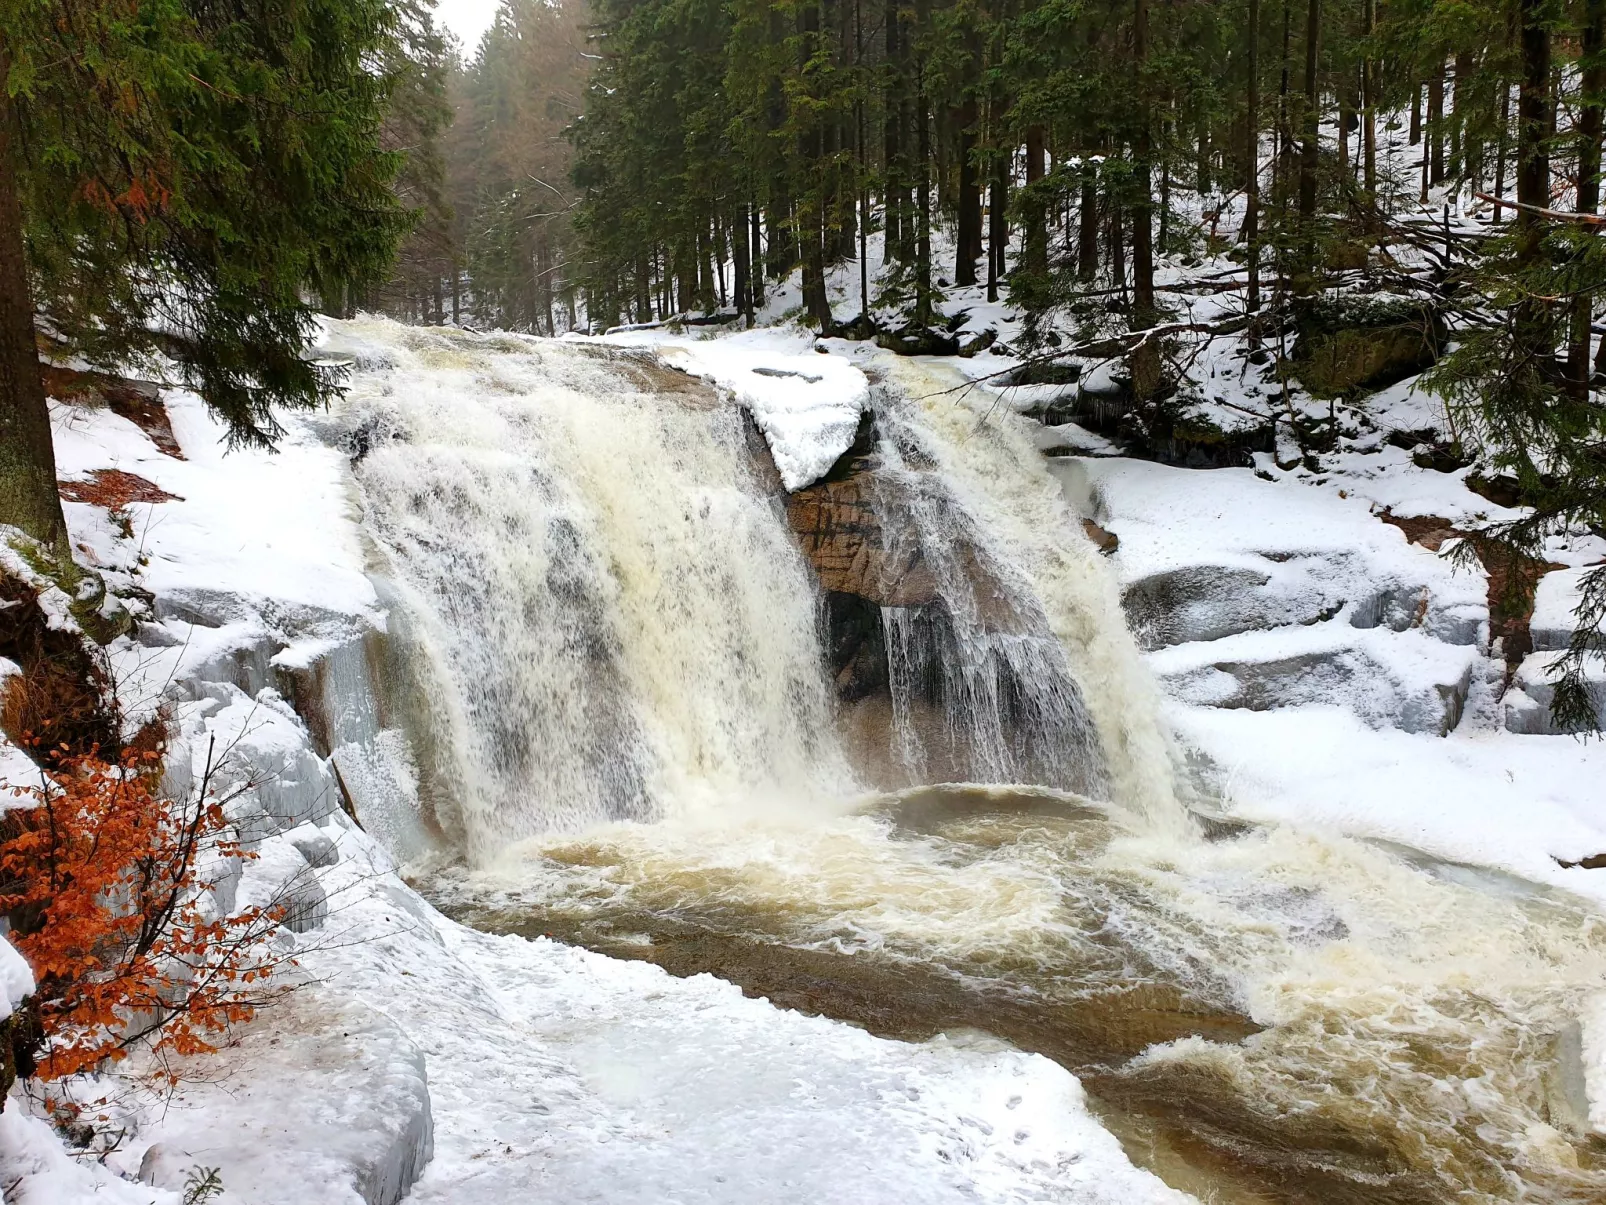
(179, 176)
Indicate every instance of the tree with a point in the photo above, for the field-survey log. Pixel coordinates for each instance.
(179, 177)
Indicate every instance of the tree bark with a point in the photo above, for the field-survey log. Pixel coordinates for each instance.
(1308, 160)
(1369, 106)
(1036, 221)
(1087, 233)
(1252, 182)
(1145, 363)
(1592, 82)
(1533, 321)
(1436, 126)
(998, 223)
(969, 233)
(923, 298)
(28, 497)
(742, 268)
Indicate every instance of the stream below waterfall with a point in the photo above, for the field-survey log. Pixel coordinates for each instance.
(625, 735)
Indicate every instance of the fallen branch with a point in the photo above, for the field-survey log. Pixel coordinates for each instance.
(1559, 215)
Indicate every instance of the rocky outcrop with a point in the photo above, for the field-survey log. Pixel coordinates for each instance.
(1355, 345)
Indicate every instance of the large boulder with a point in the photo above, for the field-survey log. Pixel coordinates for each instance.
(1358, 344)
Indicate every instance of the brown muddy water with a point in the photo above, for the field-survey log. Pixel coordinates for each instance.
(1258, 1015)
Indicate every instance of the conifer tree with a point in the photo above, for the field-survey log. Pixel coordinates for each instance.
(177, 177)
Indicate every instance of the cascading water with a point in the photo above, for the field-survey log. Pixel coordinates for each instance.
(981, 654)
(610, 623)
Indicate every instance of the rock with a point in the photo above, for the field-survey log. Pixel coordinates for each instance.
(979, 343)
(1200, 603)
(1529, 698)
(1106, 541)
(1356, 345)
(1556, 601)
(317, 847)
(1406, 681)
(918, 341)
(140, 402)
(838, 524)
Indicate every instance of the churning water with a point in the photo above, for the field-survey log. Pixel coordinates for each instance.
(628, 741)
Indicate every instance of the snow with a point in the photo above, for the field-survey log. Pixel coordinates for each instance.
(269, 532)
(16, 979)
(1555, 602)
(36, 1170)
(806, 404)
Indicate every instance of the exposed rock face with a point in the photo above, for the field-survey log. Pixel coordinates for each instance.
(841, 534)
(943, 672)
(1345, 348)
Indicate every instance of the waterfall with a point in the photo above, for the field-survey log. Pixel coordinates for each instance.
(608, 617)
(1070, 641)
(981, 655)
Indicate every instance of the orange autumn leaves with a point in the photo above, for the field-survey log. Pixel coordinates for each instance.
(108, 888)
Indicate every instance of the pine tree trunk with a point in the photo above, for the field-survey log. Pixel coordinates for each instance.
(1436, 126)
(1252, 181)
(1036, 222)
(1145, 364)
(1534, 331)
(1308, 158)
(1369, 106)
(923, 298)
(1461, 110)
(895, 197)
(28, 497)
(998, 223)
(743, 283)
(1285, 128)
(1416, 114)
(1589, 153)
(756, 237)
(969, 233)
(1087, 240)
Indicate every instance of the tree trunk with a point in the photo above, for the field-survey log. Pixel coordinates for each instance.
(743, 282)
(1369, 106)
(1252, 182)
(1591, 84)
(1436, 126)
(998, 223)
(969, 233)
(1534, 326)
(1036, 221)
(896, 196)
(1285, 132)
(756, 238)
(1308, 161)
(28, 497)
(1416, 114)
(1146, 358)
(1087, 235)
(923, 298)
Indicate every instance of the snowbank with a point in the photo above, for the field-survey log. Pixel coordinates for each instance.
(806, 404)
